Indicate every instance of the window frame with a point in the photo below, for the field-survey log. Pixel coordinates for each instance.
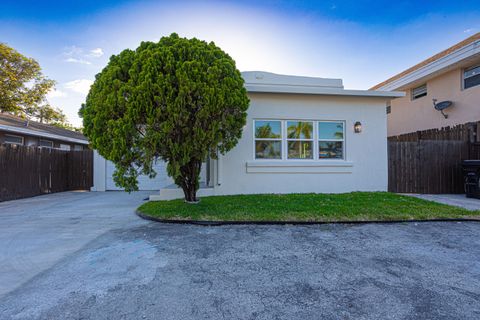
(413, 97)
(14, 143)
(343, 158)
(315, 140)
(287, 139)
(255, 139)
(464, 78)
(44, 140)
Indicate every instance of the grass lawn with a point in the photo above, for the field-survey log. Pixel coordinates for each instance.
(356, 206)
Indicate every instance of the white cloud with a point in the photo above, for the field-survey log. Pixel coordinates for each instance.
(96, 53)
(75, 60)
(55, 93)
(74, 54)
(72, 51)
(80, 85)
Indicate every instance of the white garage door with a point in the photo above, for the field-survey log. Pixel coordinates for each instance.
(144, 183)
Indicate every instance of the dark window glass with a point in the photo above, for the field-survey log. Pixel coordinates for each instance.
(471, 77)
(13, 139)
(45, 143)
(330, 149)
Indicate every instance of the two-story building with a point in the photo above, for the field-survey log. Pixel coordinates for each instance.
(451, 76)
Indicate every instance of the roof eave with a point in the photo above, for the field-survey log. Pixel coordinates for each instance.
(255, 88)
(41, 134)
(438, 66)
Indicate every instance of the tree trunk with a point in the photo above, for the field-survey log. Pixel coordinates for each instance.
(189, 180)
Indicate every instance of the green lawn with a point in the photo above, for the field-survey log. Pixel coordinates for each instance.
(356, 206)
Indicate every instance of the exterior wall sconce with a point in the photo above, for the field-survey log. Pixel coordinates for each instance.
(357, 127)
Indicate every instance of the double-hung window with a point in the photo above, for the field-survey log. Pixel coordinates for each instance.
(300, 139)
(471, 77)
(331, 140)
(268, 139)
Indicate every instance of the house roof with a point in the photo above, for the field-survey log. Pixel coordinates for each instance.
(473, 40)
(16, 124)
(266, 82)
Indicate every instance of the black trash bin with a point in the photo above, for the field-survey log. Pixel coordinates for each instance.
(471, 175)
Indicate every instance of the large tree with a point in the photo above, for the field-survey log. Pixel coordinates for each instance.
(180, 100)
(23, 87)
(45, 113)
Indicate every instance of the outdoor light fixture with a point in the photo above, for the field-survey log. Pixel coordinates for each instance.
(357, 127)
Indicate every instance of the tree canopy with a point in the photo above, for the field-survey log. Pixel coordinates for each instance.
(23, 88)
(180, 100)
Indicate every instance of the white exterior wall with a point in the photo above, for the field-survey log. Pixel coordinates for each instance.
(364, 168)
(103, 180)
(99, 171)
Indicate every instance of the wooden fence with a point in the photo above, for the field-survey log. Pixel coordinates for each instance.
(426, 166)
(462, 132)
(429, 161)
(30, 171)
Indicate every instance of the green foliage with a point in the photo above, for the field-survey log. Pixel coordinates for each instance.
(355, 206)
(22, 84)
(47, 114)
(23, 89)
(180, 100)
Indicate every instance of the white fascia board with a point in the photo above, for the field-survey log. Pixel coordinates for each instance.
(434, 66)
(321, 91)
(41, 134)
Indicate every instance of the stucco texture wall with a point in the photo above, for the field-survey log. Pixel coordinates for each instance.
(364, 167)
(412, 115)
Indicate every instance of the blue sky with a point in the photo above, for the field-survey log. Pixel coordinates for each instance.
(362, 42)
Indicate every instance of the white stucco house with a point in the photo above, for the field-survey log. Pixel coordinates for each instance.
(302, 135)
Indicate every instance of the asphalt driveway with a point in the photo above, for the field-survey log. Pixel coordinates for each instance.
(127, 268)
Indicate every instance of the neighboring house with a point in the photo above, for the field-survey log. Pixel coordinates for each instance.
(19, 131)
(451, 75)
(300, 136)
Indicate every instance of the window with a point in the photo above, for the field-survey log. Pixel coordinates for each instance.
(45, 143)
(268, 139)
(65, 147)
(331, 140)
(77, 147)
(471, 77)
(389, 108)
(419, 92)
(300, 139)
(12, 139)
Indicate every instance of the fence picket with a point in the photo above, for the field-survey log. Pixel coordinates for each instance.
(30, 171)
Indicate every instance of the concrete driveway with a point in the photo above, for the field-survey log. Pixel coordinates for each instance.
(36, 233)
(458, 200)
(108, 264)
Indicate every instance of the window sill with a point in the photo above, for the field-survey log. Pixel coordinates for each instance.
(299, 166)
